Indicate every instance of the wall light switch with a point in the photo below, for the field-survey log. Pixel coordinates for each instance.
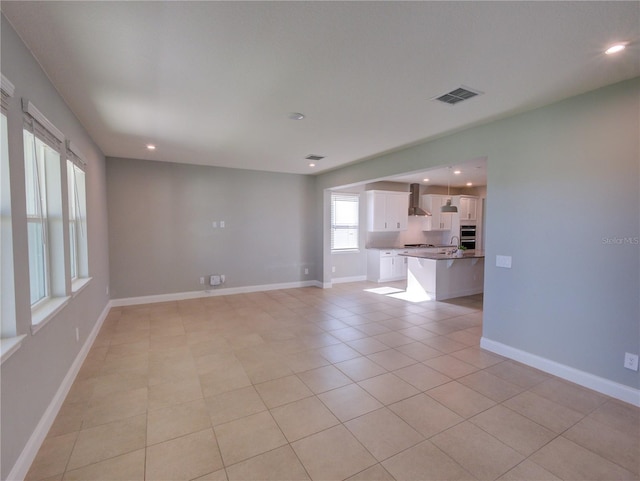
(503, 261)
(222, 224)
(631, 361)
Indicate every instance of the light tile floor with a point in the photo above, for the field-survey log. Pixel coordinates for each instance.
(319, 384)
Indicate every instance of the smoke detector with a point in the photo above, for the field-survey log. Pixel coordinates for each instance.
(458, 95)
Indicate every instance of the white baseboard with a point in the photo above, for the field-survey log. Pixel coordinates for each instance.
(181, 296)
(590, 381)
(341, 280)
(28, 454)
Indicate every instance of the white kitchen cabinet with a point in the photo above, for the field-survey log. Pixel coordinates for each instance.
(468, 208)
(387, 211)
(386, 265)
(437, 220)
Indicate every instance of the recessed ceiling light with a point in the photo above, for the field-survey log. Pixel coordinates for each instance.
(457, 172)
(296, 116)
(311, 164)
(615, 48)
(425, 180)
(469, 184)
(151, 147)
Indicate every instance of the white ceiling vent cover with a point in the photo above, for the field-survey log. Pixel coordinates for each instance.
(458, 95)
(314, 157)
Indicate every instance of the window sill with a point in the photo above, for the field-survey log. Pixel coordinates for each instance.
(9, 346)
(79, 284)
(44, 313)
(346, 251)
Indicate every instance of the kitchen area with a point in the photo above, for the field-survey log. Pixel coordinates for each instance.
(426, 229)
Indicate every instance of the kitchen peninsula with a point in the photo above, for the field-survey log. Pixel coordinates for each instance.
(439, 276)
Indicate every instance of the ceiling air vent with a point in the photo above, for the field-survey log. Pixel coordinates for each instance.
(457, 95)
(314, 157)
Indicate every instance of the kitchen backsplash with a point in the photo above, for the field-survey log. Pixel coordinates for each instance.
(413, 235)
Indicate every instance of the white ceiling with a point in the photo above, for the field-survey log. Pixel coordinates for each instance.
(213, 82)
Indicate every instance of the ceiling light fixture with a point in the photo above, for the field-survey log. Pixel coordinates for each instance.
(311, 164)
(615, 48)
(448, 208)
(469, 184)
(425, 180)
(151, 147)
(457, 172)
(296, 116)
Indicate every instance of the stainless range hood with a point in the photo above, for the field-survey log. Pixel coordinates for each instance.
(414, 201)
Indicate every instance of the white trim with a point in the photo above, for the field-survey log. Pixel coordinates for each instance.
(47, 311)
(9, 345)
(39, 117)
(78, 285)
(590, 381)
(28, 454)
(342, 280)
(180, 296)
(6, 86)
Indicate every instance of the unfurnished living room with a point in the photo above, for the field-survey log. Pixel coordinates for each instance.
(320, 240)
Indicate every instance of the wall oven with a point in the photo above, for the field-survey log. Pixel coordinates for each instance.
(468, 236)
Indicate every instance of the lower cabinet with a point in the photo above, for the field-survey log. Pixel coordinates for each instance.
(386, 265)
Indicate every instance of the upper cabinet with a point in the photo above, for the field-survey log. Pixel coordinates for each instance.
(468, 208)
(387, 211)
(437, 220)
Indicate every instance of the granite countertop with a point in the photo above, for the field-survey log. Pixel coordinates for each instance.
(439, 246)
(469, 254)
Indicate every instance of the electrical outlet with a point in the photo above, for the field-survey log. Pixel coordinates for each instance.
(222, 278)
(333, 269)
(503, 261)
(222, 224)
(631, 361)
(202, 281)
(214, 280)
(306, 271)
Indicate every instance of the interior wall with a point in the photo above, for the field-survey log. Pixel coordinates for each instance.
(161, 233)
(32, 375)
(564, 201)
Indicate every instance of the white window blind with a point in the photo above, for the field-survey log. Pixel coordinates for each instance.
(344, 221)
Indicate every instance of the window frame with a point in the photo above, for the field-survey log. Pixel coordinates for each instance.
(335, 198)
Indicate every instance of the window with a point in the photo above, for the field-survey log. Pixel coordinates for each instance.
(77, 216)
(344, 221)
(46, 230)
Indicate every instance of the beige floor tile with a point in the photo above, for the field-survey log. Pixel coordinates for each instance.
(373, 328)
(177, 420)
(491, 386)
(52, 457)
(478, 452)
(444, 344)
(348, 402)
(219, 475)
(549, 414)
(304, 361)
(282, 391)
(69, 419)
(570, 461)
(338, 353)
(348, 334)
(460, 399)
(519, 374)
(360, 368)
(124, 364)
(450, 366)
(383, 433)
(425, 462)
(223, 380)
(388, 388)
(374, 473)
(126, 467)
(618, 446)
(259, 372)
(513, 429)
(170, 393)
(119, 405)
(116, 382)
(528, 470)
(304, 417)
(182, 458)
(247, 437)
(477, 357)
(422, 377)
(419, 351)
(426, 415)
(394, 339)
(367, 346)
(332, 454)
(108, 440)
(324, 379)
(391, 359)
(569, 395)
(619, 415)
(278, 465)
(233, 405)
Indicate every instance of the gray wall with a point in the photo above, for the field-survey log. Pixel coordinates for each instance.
(32, 375)
(561, 181)
(161, 234)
